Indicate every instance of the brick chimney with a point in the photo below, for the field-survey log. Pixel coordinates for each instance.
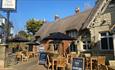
(56, 17)
(77, 10)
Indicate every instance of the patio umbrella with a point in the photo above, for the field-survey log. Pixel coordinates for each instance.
(16, 41)
(58, 36)
(33, 43)
(19, 39)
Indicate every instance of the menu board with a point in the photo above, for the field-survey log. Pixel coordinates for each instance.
(78, 63)
(42, 58)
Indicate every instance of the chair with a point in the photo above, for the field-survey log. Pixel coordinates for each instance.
(25, 56)
(61, 62)
(30, 54)
(48, 63)
(18, 56)
(69, 61)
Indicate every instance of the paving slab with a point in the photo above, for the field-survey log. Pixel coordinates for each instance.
(31, 65)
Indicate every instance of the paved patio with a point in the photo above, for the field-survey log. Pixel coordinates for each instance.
(30, 65)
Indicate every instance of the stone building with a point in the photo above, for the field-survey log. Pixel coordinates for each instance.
(91, 29)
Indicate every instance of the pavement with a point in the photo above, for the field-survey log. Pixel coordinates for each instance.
(30, 65)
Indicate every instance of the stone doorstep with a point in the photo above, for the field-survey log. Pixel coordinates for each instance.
(112, 62)
(1, 63)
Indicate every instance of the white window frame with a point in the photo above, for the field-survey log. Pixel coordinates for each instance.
(107, 36)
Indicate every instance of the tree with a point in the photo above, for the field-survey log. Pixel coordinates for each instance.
(33, 26)
(22, 34)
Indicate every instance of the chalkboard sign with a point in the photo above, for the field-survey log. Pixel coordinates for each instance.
(42, 58)
(78, 64)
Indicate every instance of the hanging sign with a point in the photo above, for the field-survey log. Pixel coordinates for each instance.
(8, 4)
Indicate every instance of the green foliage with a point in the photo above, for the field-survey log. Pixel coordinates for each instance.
(22, 34)
(33, 26)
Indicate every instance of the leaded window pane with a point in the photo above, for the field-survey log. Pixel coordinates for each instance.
(111, 43)
(103, 34)
(104, 43)
(84, 47)
(73, 47)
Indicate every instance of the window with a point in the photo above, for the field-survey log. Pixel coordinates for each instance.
(72, 33)
(86, 45)
(111, 4)
(73, 47)
(86, 38)
(30, 48)
(56, 45)
(106, 41)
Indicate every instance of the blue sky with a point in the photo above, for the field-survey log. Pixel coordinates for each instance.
(40, 9)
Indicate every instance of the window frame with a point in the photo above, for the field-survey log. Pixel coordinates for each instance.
(73, 47)
(72, 33)
(87, 45)
(107, 36)
(86, 40)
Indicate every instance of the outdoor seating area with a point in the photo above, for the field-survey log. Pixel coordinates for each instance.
(55, 62)
(25, 55)
(84, 40)
(59, 62)
(22, 51)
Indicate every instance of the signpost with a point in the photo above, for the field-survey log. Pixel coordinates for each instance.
(7, 6)
(78, 63)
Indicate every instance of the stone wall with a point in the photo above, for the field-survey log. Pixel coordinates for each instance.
(111, 9)
(2, 56)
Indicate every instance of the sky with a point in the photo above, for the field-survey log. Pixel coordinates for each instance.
(45, 9)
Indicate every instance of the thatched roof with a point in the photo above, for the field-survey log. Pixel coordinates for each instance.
(78, 21)
(61, 25)
(43, 32)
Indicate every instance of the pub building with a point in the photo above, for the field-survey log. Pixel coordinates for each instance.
(90, 34)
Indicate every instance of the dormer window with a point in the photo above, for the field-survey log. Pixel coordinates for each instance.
(72, 33)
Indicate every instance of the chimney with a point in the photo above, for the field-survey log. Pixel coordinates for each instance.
(56, 17)
(77, 10)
